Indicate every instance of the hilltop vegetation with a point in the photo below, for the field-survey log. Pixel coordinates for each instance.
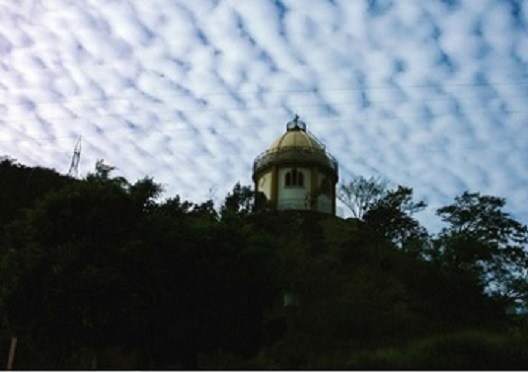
(101, 273)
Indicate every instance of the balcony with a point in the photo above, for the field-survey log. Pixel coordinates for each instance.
(296, 154)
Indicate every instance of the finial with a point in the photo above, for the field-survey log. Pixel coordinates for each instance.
(296, 124)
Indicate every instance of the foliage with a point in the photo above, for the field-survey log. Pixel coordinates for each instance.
(238, 203)
(391, 217)
(360, 193)
(63, 258)
(101, 273)
(467, 350)
(22, 186)
(485, 241)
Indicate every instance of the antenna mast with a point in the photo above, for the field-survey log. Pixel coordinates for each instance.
(76, 157)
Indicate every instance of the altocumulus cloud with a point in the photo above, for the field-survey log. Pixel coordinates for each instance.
(431, 95)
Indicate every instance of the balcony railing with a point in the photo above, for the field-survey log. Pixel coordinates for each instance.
(295, 154)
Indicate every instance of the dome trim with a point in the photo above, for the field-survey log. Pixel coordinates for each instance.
(296, 155)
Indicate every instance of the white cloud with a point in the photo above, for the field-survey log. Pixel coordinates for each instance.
(430, 95)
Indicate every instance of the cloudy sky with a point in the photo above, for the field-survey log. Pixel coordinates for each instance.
(429, 94)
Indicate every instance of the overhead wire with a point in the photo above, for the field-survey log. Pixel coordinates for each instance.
(109, 97)
(223, 125)
(346, 101)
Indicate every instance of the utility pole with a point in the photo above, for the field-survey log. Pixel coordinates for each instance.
(11, 356)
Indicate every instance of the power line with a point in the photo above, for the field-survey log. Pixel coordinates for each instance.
(175, 112)
(191, 126)
(225, 126)
(142, 94)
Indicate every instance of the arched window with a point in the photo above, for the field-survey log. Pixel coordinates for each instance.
(300, 179)
(294, 178)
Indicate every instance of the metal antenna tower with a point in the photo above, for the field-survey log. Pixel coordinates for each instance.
(76, 157)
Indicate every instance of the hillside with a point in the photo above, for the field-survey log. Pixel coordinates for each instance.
(98, 273)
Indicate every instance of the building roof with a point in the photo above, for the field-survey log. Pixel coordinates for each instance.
(296, 137)
(295, 146)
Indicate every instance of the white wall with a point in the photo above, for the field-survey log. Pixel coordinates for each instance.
(293, 197)
(264, 184)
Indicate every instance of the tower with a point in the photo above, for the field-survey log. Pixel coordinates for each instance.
(296, 172)
(76, 157)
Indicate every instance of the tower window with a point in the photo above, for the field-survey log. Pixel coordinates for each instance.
(294, 178)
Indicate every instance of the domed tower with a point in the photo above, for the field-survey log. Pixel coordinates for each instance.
(296, 172)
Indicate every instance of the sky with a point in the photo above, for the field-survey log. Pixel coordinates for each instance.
(432, 95)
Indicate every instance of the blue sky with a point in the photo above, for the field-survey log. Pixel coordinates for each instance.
(429, 94)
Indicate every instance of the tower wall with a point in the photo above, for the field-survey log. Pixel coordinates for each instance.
(296, 172)
(294, 196)
(317, 191)
(264, 184)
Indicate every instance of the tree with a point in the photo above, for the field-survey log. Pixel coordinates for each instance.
(22, 186)
(64, 281)
(145, 191)
(239, 202)
(391, 217)
(360, 194)
(487, 242)
(101, 268)
(102, 174)
(205, 283)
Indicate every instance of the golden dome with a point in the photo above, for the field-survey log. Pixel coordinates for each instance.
(296, 138)
(295, 146)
